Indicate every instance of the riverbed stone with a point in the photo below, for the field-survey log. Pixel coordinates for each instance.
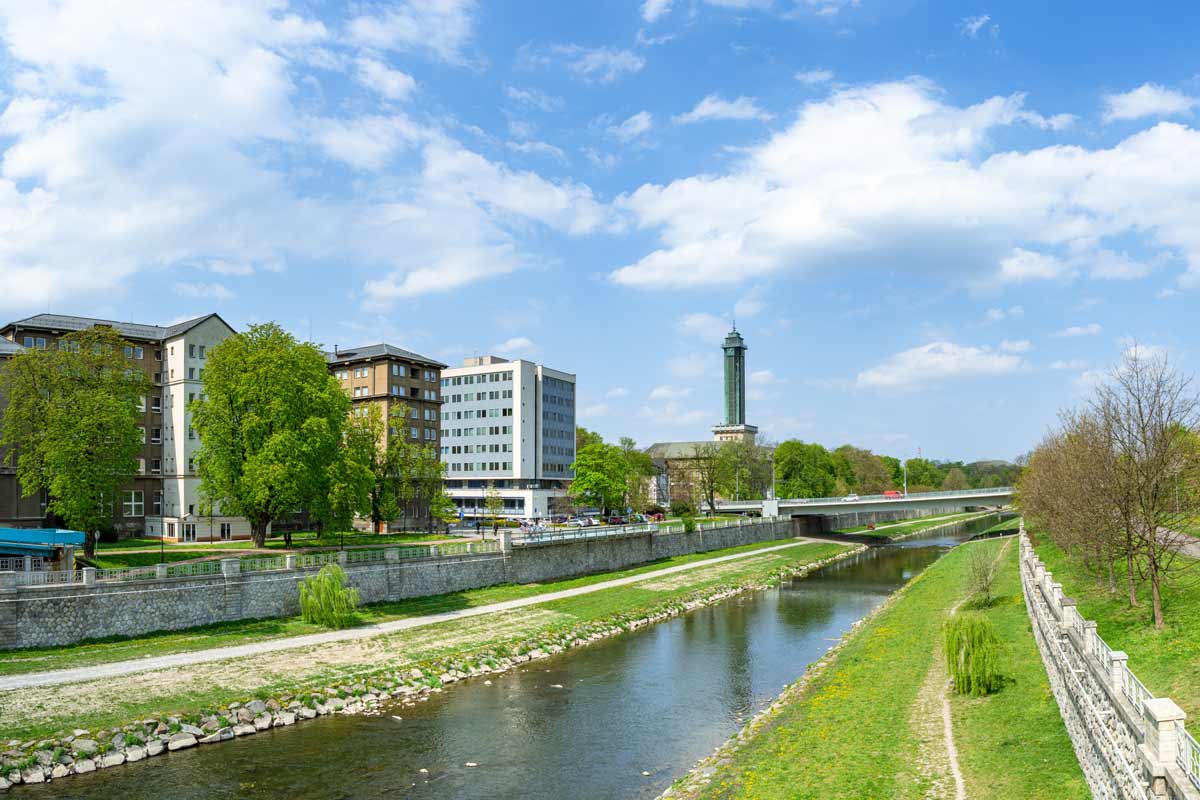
(287, 718)
(84, 765)
(154, 747)
(60, 771)
(85, 747)
(262, 722)
(4, 783)
(306, 713)
(192, 729)
(33, 775)
(44, 757)
(135, 753)
(273, 704)
(181, 741)
(244, 715)
(256, 707)
(112, 760)
(244, 729)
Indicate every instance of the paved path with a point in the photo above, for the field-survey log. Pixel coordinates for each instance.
(119, 668)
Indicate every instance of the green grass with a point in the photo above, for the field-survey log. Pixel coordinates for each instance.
(1167, 661)
(848, 733)
(1013, 744)
(1012, 524)
(888, 529)
(208, 685)
(243, 631)
(141, 559)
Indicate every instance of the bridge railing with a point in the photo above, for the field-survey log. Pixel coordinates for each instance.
(792, 501)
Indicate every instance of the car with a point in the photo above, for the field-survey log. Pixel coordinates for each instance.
(892, 494)
(578, 522)
(614, 520)
(593, 521)
(850, 498)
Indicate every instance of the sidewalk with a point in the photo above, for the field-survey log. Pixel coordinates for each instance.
(120, 668)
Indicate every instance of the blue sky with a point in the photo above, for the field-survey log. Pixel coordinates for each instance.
(935, 222)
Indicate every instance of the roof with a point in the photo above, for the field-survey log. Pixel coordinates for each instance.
(8, 348)
(131, 330)
(665, 450)
(47, 537)
(373, 351)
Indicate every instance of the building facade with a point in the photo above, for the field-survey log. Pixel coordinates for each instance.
(508, 427)
(163, 500)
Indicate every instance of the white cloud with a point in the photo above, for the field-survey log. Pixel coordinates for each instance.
(534, 97)
(702, 325)
(593, 410)
(653, 9)
(517, 344)
(1016, 345)
(1148, 100)
(203, 291)
(391, 83)
(876, 169)
(441, 27)
(814, 76)
(617, 391)
(598, 159)
(367, 143)
(1072, 365)
(538, 148)
(671, 414)
(669, 392)
(592, 64)
(695, 365)
(633, 127)
(1108, 265)
(750, 304)
(998, 314)
(822, 8)
(935, 362)
(713, 107)
(971, 26)
(762, 377)
(229, 268)
(1091, 329)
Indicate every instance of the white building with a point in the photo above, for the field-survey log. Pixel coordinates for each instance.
(508, 427)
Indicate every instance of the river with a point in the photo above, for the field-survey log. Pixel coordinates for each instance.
(620, 718)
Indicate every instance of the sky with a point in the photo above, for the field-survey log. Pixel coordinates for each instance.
(935, 223)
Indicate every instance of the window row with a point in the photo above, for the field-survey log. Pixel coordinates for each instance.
(481, 413)
(467, 449)
(482, 466)
(493, 430)
(486, 377)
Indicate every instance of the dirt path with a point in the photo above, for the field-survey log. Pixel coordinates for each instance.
(176, 660)
(932, 722)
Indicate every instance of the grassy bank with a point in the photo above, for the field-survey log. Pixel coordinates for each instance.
(1167, 661)
(35, 712)
(1013, 744)
(889, 529)
(859, 726)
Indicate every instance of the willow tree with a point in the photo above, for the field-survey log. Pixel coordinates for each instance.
(270, 423)
(71, 425)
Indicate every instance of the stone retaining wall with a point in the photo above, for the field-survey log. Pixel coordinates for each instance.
(43, 616)
(1129, 743)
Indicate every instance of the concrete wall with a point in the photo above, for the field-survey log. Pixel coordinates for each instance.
(1129, 744)
(41, 616)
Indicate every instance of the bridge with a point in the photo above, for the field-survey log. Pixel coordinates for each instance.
(912, 504)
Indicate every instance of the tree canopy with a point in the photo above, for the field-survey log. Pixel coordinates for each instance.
(270, 422)
(71, 425)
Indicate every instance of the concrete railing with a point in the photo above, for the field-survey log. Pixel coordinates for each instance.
(607, 531)
(949, 494)
(1130, 744)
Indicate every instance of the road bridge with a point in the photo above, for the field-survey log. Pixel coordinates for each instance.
(875, 507)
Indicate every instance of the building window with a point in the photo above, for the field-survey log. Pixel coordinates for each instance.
(395, 369)
(191, 351)
(189, 531)
(158, 355)
(156, 405)
(191, 465)
(133, 504)
(170, 530)
(156, 435)
(191, 432)
(413, 434)
(191, 373)
(202, 351)
(155, 466)
(157, 507)
(226, 530)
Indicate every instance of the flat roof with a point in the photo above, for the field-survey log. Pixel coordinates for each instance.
(47, 537)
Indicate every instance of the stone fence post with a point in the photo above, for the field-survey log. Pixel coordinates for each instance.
(343, 556)
(8, 580)
(1069, 613)
(160, 571)
(1089, 636)
(1163, 725)
(231, 567)
(89, 576)
(434, 551)
(289, 561)
(505, 542)
(392, 554)
(1118, 661)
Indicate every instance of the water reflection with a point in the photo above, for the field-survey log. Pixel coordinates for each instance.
(586, 724)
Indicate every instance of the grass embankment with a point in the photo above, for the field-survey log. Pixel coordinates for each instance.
(1012, 524)
(225, 634)
(889, 529)
(35, 712)
(1167, 661)
(859, 726)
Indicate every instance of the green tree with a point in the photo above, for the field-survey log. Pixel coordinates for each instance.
(584, 437)
(955, 480)
(422, 481)
(871, 474)
(895, 469)
(71, 425)
(804, 469)
(745, 472)
(639, 469)
(351, 476)
(600, 476)
(493, 502)
(709, 470)
(270, 423)
(923, 475)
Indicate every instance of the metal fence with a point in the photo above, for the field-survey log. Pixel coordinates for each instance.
(604, 531)
(18, 564)
(792, 501)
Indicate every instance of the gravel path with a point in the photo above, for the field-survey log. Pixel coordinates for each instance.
(119, 668)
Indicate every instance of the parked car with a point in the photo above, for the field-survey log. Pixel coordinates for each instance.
(892, 494)
(614, 520)
(578, 522)
(850, 498)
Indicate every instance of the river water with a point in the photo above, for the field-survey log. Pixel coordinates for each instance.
(620, 718)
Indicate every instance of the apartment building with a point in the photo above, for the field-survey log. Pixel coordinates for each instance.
(393, 378)
(508, 426)
(163, 500)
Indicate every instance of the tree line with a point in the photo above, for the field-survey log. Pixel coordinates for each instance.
(1116, 483)
(277, 435)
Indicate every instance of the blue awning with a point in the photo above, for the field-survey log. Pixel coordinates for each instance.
(47, 537)
(22, 549)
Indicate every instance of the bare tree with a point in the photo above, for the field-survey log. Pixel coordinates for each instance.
(708, 470)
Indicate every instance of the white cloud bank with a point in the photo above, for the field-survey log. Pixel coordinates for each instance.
(714, 107)
(874, 170)
(1148, 100)
(936, 362)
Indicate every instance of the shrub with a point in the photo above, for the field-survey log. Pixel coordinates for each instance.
(326, 600)
(972, 654)
(982, 568)
(689, 523)
(682, 508)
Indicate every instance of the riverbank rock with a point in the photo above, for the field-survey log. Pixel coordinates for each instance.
(33, 775)
(135, 753)
(60, 771)
(192, 729)
(84, 765)
(180, 741)
(154, 747)
(256, 707)
(262, 723)
(112, 760)
(85, 747)
(244, 729)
